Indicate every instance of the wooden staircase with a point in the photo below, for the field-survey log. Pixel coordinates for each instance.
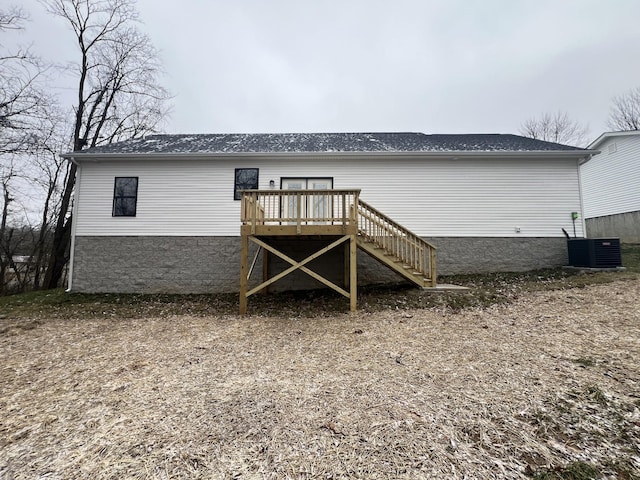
(345, 220)
(395, 246)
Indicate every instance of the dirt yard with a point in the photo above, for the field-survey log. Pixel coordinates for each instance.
(546, 387)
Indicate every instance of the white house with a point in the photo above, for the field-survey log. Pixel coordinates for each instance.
(162, 213)
(611, 187)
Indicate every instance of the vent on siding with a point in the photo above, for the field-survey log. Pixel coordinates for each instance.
(613, 148)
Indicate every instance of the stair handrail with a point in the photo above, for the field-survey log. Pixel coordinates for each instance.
(397, 240)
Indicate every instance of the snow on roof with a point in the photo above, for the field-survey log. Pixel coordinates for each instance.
(324, 143)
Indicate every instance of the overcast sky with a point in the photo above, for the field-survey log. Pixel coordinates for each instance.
(447, 66)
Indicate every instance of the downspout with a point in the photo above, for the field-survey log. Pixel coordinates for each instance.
(74, 221)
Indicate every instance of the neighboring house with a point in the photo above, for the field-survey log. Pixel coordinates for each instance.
(162, 213)
(611, 187)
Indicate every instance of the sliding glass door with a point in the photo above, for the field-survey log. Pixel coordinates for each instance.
(312, 208)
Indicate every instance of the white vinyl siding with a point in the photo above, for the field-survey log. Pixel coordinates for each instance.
(611, 179)
(432, 197)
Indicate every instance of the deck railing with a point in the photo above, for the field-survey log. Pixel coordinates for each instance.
(299, 207)
(396, 240)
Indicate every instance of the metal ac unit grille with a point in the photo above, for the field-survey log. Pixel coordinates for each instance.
(607, 253)
(594, 252)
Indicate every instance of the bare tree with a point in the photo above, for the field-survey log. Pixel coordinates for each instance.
(11, 238)
(625, 111)
(557, 128)
(119, 96)
(30, 186)
(22, 96)
(47, 171)
(23, 103)
(5, 260)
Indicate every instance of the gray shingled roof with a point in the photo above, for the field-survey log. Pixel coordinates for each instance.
(326, 143)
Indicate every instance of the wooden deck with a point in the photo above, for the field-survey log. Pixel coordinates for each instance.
(328, 213)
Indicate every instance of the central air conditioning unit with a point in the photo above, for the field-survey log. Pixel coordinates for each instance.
(594, 252)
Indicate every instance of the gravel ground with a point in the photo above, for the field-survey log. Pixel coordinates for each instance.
(547, 386)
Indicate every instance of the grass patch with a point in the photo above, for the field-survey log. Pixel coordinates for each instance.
(58, 304)
(585, 362)
(587, 418)
(622, 468)
(572, 471)
(597, 394)
(631, 257)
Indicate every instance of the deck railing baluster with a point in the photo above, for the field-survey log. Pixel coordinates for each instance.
(407, 247)
(299, 207)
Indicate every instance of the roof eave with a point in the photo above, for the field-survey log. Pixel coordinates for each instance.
(453, 154)
(606, 135)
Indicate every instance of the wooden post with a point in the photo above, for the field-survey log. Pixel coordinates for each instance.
(346, 265)
(353, 277)
(265, 269)
(344, 213)
(244, 263)
(432, 257)
(299, 213)
(256, 208)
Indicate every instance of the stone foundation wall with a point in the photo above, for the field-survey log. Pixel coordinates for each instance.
(625, 226)
(212, 264)
(457, 255)
(156, 264)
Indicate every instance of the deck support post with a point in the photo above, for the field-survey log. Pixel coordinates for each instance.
(265, 269)
(353, 274)
(244, 270)
(346, 267)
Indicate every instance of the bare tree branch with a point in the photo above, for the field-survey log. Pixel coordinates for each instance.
(12, 18)
(557, 128)
(625, 111)
(22, 95)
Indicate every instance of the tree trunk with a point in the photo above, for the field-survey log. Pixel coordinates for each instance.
(3, 226)
(42, 234)
(61, 235)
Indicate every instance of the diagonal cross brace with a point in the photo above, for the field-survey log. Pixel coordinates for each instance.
(300, 265)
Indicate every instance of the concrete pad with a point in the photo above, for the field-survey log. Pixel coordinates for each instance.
(595, 270)
(446, 287)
